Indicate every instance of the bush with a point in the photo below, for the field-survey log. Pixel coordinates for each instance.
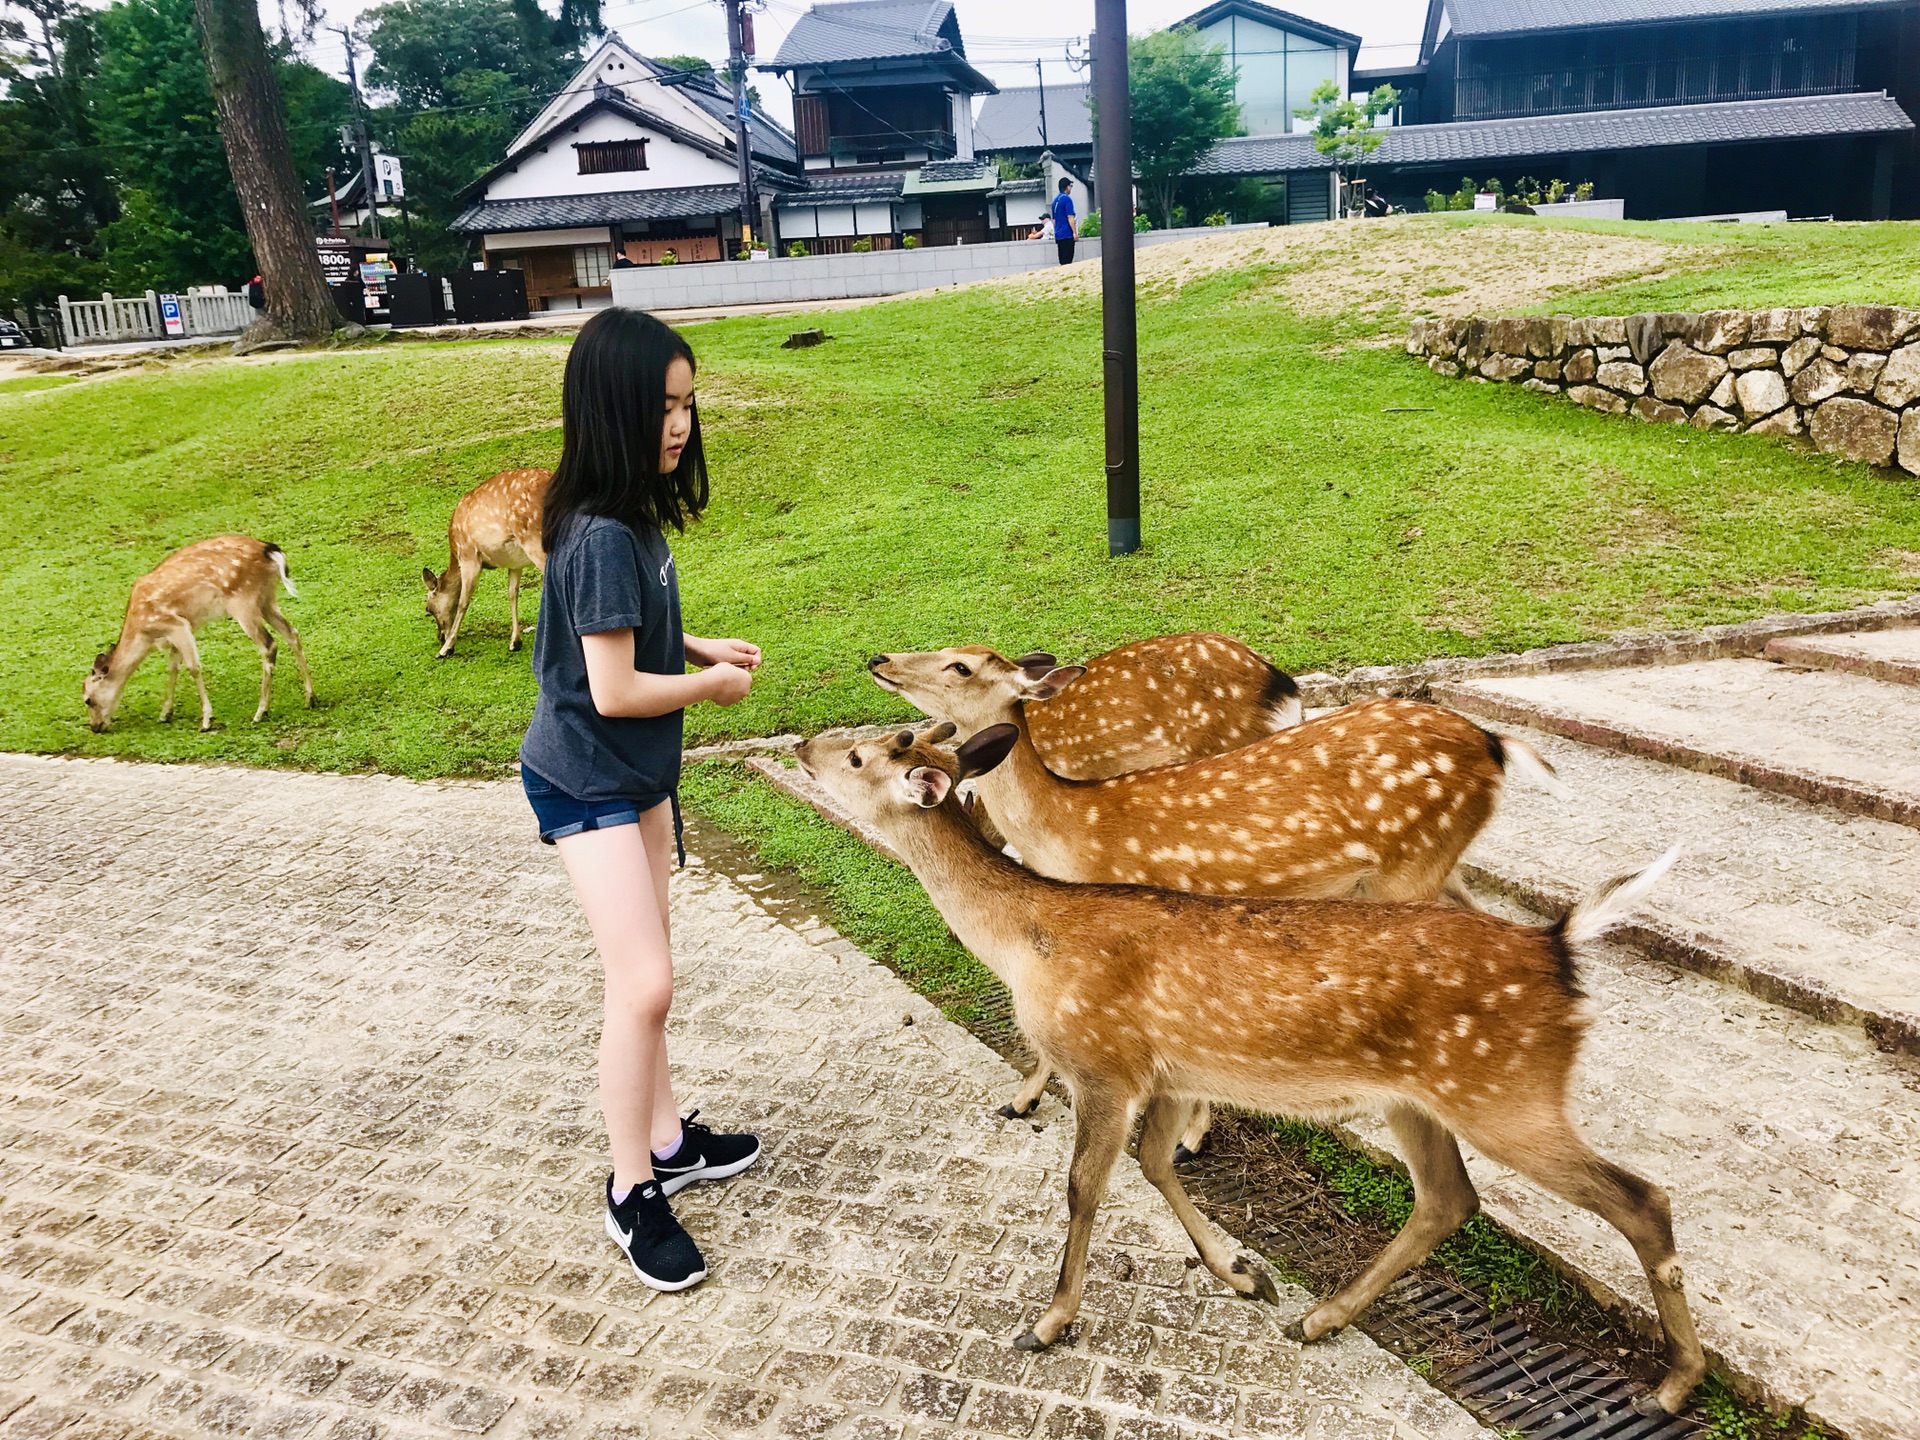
(1090, 226)
(667, 257)
(909, 242)
(863, 246)
(1141, 224)
(1219, 217)
(1583, 191)
(743, 253)
(796, 251)
(1436, 202)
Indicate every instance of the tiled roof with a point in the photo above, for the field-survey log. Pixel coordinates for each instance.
(562, 212)
(1011, 119)
(1516, 17)
(1461, 141)
(768, 140)
(950, 172)
(865, 30)
(845, 190)
(1034, 186)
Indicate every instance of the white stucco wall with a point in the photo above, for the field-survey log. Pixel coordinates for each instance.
(556, 170)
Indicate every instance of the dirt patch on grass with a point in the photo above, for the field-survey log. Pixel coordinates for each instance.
(1398, 267)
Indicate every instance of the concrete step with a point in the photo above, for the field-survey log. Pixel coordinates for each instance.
(1892, 655)
(1836, 739)
(1804, 905)
(1790, 1147)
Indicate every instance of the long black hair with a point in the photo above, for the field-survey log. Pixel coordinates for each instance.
(613, 411)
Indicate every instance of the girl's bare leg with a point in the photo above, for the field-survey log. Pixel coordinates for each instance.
(613, 877)
(656, 829)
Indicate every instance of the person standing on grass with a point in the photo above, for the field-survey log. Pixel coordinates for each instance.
(601, 760)
(1065, 226)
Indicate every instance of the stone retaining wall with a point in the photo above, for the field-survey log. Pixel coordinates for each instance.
(1847, 377)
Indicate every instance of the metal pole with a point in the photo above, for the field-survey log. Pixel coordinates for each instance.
(1040, 76)
(737, 66)
(361, 138)
(1120, 343)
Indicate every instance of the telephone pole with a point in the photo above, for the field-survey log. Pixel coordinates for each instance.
(739, 51)
(1041, 80)
(1120, 342)
(363, 144)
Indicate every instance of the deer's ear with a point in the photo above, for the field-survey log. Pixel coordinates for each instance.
(1037, 660)
(941, 733)
(987, 749)
(1044, 685)
(926, 786)
(101, 661)
(428, 576)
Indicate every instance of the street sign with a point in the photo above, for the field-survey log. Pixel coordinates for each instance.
(386, 177)
(171, 320)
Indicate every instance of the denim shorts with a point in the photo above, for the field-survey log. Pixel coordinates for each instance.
(561, 814)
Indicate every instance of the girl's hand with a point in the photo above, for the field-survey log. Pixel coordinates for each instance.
(728, 683)
(723, 652)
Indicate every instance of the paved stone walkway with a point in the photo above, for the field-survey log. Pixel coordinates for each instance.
(298, 1139)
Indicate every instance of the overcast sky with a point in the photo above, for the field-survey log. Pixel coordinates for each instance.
(1004, 37)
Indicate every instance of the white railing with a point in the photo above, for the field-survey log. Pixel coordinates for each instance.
(112, 319)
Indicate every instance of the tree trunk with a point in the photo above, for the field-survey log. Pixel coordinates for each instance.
(253, 128)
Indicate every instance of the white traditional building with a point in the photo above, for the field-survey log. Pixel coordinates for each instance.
(632, 163)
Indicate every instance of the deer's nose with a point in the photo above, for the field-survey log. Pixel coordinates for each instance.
(877, 661)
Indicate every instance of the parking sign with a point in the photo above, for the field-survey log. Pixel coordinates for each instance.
(171, 320)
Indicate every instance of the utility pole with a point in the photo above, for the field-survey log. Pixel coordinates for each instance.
(1040, 78)
(363, 144)
(1120, 344)
(739, 50)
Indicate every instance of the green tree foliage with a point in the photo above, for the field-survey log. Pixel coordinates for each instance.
(56, 189)
(1181, 91)
(692, 64)
(1344, 130)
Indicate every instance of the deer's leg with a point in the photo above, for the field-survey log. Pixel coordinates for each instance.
(181, 639)
(285, 627)
(1455, 892)
(469, 577)
(1102, 1118)
(1193, 1139)
(256, 628)
(173, 679)
(1030, 1091)
(1551, 1154)
(513, 606)
(1443, 1200)
(1167, 1117)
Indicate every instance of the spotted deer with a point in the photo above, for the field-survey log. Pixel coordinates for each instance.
(1157, 702)
(232, 573)
(1449, 1022)
(1379, 799)
(496, 526)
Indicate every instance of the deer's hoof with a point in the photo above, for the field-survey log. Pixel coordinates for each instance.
(1184, 1156)
(1652, 1403)
(1028, 1341)
(1009, 1112)
(1263, 1286)
(1296, 1331)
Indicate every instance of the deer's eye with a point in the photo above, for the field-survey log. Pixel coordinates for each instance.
(961, 670)
(853, 759)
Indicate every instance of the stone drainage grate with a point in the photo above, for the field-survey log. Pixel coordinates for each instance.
(1502, 1369)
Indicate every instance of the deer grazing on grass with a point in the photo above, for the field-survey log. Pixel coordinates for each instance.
(1449, 1021)
(1377, 800)
(234, 573)
(496, 526)
(1158, 702)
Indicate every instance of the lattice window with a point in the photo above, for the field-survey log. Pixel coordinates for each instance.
(590, 266)
(604, 157)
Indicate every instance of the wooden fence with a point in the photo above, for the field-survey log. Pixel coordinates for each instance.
(112, 319)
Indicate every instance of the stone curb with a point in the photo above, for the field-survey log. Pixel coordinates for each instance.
(1815, 656)
(1746, 640)
(1850, 796)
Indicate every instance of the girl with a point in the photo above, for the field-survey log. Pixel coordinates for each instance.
(601, 760)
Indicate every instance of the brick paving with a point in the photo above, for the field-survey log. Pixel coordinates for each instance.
(298, 1139)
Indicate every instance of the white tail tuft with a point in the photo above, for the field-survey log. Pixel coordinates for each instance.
(279, 558)
(1523, 760)
(1612, 902)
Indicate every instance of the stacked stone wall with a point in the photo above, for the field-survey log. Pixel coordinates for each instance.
(1845, 377)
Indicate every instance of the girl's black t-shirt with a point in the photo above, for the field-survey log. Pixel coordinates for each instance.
(604, 576)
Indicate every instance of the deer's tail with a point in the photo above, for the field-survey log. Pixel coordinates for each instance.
(279, 559)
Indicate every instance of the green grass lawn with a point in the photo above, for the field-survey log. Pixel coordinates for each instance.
(930, 476)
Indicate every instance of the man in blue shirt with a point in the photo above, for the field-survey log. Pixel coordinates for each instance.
(1065, 226)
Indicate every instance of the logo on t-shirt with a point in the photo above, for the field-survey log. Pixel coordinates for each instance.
(666, 570)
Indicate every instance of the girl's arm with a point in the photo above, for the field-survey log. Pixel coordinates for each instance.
(620, 691)
(721, 652)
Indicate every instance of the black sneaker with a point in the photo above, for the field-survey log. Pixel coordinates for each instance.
(662, 1254)
(704, 1154)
